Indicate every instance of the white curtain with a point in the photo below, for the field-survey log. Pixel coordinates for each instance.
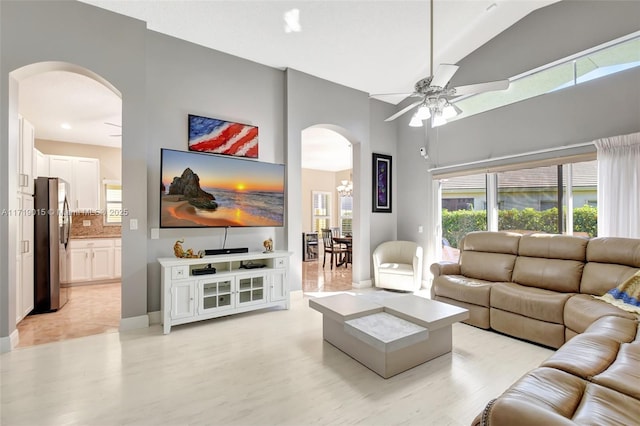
(619, 186)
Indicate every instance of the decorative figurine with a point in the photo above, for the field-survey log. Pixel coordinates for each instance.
(181, 253)
(268, 245)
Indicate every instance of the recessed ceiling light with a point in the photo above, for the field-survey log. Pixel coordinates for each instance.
(66, 126)
(292, 21)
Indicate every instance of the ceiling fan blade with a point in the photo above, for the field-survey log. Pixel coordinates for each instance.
(443, 74)
(408, 95)
(403, 110)
(481, 87)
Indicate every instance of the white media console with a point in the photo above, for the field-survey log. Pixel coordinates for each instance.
(240, 283)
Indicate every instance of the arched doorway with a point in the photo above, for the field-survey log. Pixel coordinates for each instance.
(75, 115)
(327, 165)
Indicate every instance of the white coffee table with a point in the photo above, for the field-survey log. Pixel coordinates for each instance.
(388, 336)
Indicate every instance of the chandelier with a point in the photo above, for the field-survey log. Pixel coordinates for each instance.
(345, 189)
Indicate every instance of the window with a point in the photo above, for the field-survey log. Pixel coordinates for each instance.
(346, 215)
(464, 200)
(528, 200)
(113, 203)
(584, 189)
(321, 211)
(453, 204)
(524, 200)
(600, 61)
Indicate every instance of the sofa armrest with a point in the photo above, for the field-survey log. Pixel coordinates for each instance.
(445, 268)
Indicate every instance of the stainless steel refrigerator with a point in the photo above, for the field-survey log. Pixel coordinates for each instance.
(51, 234)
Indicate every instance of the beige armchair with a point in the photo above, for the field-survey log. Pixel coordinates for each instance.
(397, 265)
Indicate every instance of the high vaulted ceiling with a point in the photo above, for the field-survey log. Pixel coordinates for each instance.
(369, 45)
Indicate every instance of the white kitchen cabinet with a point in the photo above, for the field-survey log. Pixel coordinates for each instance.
(25, 220)
(42, 164)
(83, 175)
(62, 166)
(25, 259)
(26, 158)
(102, 266)
(78, 264)
(86, 181)
(91, 260)
(235, 287)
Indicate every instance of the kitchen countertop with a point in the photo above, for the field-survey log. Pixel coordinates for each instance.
(92, 237)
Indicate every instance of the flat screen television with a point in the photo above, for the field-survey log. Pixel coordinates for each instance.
(200, 190)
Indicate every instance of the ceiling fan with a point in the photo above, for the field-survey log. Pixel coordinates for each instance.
(435, 94)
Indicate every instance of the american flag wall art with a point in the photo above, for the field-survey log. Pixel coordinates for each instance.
(222, 137)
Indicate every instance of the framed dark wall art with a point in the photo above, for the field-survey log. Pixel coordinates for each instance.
(222, 137)
(381, 183)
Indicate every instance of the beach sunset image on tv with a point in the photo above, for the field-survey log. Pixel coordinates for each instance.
(204, 190)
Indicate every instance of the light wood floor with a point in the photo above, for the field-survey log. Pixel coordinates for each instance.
(95, 309)
(260, 368)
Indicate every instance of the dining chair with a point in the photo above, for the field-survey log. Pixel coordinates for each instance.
(335, 231)
(331, 247)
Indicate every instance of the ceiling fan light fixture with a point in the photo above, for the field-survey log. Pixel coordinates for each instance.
(434, 91)
(450, 111)
(415, 121)
(423, 112)
(438, 120)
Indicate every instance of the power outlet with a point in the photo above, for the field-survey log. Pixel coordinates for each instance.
(86, 223)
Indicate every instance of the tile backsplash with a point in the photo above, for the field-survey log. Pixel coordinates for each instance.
(96, 227)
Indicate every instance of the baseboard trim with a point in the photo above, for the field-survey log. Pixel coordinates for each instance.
(84, 283)
(362, 284)
(155, 317)
(133, 323)
(7, 343)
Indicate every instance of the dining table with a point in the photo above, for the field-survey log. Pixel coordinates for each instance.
(347, 257)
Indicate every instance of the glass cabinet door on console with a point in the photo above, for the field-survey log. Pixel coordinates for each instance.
(215, 294)
(251, 289)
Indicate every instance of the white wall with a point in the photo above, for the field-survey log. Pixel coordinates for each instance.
(604, 107)
(384, 138)
(311, 101)
(113, 47)
(161, 80)
(184, 78)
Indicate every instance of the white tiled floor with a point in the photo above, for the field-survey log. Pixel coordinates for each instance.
(259, 368)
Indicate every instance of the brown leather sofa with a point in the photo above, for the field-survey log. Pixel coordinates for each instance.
(593, 379)
(539, 288)
(536, 287)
